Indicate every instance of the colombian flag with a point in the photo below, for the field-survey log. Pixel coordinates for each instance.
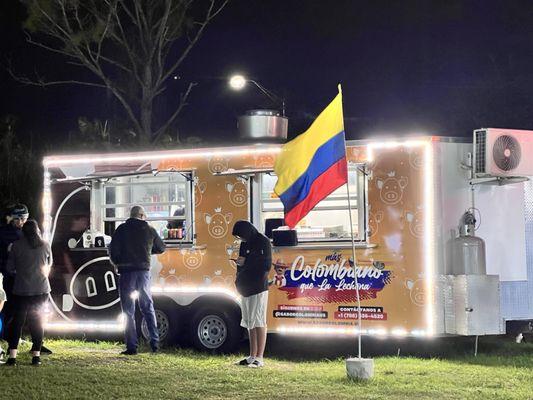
(312, 165)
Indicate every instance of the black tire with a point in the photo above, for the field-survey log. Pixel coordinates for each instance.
(215, 330)
(167, 323)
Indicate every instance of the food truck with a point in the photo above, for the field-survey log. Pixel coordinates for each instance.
(442, 242)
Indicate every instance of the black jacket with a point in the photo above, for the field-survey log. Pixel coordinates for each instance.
(8, 235)
(132, 245)
(252, 276)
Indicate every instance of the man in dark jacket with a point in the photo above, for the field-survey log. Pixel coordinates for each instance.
(253, 266)
(130, 251)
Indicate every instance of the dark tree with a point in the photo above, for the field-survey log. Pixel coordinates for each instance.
(21, 175)
(131, 47)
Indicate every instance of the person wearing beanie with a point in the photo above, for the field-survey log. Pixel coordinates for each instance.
(16, 216)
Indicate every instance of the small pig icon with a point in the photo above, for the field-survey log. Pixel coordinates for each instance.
(199, 190)
(391, 189)
(192, 258)
(238, 192)
(416, 290)
(218, 223)
(416, 160)
(374, 219)
(416, 223)
(263, 161)
(217, 164)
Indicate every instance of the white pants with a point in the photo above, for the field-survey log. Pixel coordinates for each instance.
(254, 310)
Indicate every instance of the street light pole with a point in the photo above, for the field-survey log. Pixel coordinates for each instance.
(238, 82)
(270, 95)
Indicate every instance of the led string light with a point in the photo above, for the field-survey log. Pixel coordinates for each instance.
(88, 326)
(195, 289)
(379, 332)
(159, 155)
(47, 206)
(429, 235)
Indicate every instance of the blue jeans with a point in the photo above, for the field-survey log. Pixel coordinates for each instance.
(139, 281)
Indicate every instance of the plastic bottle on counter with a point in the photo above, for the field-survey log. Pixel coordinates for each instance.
(165, 233)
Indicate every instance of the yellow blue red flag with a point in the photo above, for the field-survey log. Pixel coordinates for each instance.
(312, 165)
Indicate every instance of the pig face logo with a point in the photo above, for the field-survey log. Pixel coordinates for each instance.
(199, 190)
(238, 192)
(218, 164)
(217, 224)
(416, 160)
(416, 223)
(173, 165)
(374, 219)
(391, 189)
(92, 287)
(263, 161)
(416, 291)
(192, 258)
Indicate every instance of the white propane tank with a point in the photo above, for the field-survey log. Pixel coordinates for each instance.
(468, 251)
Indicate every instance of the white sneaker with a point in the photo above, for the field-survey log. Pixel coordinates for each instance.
(256, 364)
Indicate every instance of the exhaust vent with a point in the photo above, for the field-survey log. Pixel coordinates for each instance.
(263, 125)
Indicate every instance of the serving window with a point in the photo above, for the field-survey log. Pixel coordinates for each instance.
(166, 197)
(329, 220)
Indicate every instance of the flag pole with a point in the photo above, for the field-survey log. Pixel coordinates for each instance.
(354, 258)
(354, 263)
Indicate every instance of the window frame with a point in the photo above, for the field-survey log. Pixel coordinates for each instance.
(362, 206)
(99, 205)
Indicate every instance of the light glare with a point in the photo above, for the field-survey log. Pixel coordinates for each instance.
(237, 82)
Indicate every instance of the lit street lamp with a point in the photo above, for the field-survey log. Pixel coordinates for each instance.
(238, 82)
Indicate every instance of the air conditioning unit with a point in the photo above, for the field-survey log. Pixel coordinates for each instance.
(503, 153)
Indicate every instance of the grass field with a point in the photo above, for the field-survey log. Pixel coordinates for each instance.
(79, 370)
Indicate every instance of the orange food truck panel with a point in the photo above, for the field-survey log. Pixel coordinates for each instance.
(312, 284)
(314, 287)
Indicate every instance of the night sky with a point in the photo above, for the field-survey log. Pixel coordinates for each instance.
(436, 67)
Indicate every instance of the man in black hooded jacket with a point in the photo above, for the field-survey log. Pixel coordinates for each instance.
(253, 266)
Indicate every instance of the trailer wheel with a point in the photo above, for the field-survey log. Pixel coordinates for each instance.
(167, 325)
(215, 330)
